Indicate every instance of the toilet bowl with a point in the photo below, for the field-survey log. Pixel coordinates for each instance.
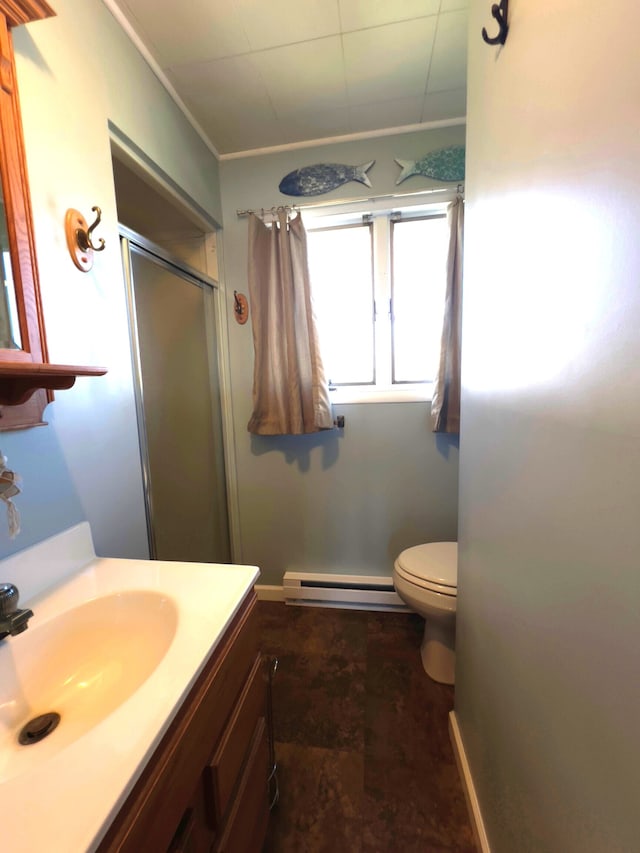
(426, 579)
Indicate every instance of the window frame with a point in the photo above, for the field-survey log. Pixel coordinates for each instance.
(359, 222)
(393, 221)
(380, 212)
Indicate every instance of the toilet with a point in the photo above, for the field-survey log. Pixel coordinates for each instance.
(426, 579)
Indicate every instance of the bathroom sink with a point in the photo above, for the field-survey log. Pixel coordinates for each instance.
(81, 665)
(114, 647)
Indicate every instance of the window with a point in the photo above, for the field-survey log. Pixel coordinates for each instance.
(378, 282)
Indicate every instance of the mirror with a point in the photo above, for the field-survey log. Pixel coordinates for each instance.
(9, 319)
(27, 379)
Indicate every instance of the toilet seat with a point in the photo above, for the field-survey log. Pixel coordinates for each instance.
(449, 591)
(433, 566)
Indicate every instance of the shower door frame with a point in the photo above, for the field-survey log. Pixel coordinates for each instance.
(131, 240)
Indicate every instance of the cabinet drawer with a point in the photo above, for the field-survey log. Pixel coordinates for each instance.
(246, 827)
(222, 775)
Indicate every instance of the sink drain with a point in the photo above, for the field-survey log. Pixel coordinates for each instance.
(38, 728)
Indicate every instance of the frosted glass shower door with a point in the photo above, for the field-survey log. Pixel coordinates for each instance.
(178, 410)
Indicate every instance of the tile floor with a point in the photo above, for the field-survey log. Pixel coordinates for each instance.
(365, 764)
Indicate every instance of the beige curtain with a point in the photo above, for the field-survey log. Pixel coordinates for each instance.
(445, 404)
(290, 392)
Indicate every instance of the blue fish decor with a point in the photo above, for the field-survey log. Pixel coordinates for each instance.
(323, 177)
(445, 164)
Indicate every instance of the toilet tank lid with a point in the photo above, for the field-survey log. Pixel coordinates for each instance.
(434, 561)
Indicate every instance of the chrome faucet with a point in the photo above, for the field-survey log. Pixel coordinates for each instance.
(12, 620)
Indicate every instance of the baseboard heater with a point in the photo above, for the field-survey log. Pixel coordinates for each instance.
(355, 592)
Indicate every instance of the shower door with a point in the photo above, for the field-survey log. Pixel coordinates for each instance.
(172, 322)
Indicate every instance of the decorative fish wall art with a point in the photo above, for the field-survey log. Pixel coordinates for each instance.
(323, 177)
(445, 164)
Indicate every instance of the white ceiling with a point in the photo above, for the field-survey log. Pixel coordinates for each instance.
(259, 73)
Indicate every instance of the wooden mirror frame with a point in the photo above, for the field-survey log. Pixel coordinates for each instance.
(27, 379)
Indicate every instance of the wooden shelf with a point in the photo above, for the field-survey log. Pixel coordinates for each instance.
(19, 380)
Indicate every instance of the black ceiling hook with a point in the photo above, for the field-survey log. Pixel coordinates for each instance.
(500, 12)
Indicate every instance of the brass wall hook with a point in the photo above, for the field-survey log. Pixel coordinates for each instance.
(79, 241)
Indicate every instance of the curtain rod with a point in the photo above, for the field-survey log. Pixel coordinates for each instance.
(336, 201)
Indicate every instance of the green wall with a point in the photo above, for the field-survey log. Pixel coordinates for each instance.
(547, 695)
(337, 502)
(78, 72)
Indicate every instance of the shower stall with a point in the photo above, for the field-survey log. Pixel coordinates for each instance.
(173, 342)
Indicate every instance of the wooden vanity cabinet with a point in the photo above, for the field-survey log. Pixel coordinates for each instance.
(205, 789)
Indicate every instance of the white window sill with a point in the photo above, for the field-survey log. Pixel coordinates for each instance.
(350, 394)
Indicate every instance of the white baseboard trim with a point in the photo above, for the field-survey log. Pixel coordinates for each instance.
(477, 824)
(342, 599)
(265, 592)
(345, 591)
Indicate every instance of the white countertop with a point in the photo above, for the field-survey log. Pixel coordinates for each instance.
(65, 798)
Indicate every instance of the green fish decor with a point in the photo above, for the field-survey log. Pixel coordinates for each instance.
(445, 164)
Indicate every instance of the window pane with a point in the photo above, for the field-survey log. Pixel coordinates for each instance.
(420, 249)
(340, 263)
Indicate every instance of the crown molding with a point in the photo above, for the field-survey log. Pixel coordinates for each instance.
(347, 137)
